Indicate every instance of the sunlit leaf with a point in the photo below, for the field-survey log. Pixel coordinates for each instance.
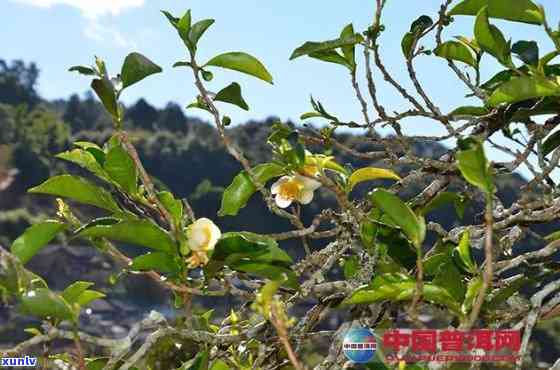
(523, 88)
(44, 303)
(473, 165)
(241, 62)
(106, 93)
(491, 39)
(198, 29)
(232, 94)
(136, 67)
(35, 238)
(122, 169)
(370, 173)
(412, 225)
(78, 189)
(157, 261)
(314, 47)
(519, 10)
(454, 50)
(238, 193)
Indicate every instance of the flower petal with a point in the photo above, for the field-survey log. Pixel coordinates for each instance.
(275, 188)
(282, 202)
(308, 183)
(306, 196)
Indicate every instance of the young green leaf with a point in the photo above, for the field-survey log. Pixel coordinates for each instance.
(449, 277)
(35, 238)
(219, 365)
(332, 56)
(84, 159)
(491, 39)
(172, 19)
(466, 112)
(407, 43)
(443, 198)
(122, 169)
(473, 165)
(184, 26)
(518, 11)
(156, 261)
(351, 267)
(136, 67)
(74, 290)
(411, 224)
(464, 252)
(88, 296)
(273, 272)
(82, 70)
(314, 47)
(368, 174)
(78, 189)
(44, 303)
(349, 51)
(454, 50)
(198, 29)
(137, 232)
(232, 94)
(237, 194)
(106, 93)
(473, 287)
(173, 205)
(241, 62)
(523, 88)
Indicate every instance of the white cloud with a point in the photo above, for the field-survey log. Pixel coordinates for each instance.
(90, 8)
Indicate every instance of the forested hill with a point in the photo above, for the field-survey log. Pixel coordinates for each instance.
(181, 152)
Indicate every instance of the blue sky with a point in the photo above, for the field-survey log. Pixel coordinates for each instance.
(59, 33)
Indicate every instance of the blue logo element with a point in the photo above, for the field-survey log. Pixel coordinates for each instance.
(359, 345)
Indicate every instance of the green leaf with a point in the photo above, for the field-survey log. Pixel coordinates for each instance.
(35, 238)
(454, 50)
(473, 287)
(181, 64)
(237, 194)
(241, 62)
(137, 232)
(89, 296)
(443, 198)
(198, 29)
(411, 224)
(234, 246)
(75, 290)
(82, 70)
(172, 19)
(464, 252)
(270, 271)
(174, 206)
(78, 189)
(527, 51)
(122, 169)
(407, 43)
(349, 51)
(501, 295)
(106, 93)
(473, 165)
(468, 112)
(449, 277)
(43, 303)
(421, 24)
(200, 362)
(523, 88)
(325, 162)
(491, 39)
(518, 11)
(156, 261)
(136, 67)
(351, 267)
(368, 174)
(84, 159)
(552, 236)
(232, 94)
(399, 287)
(332, 56)
(219, 365)
(314, 47)
(184, 26)
(310, 115)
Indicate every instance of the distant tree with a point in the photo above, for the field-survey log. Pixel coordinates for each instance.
(17, 83)
(143, 115)
(172, 118)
